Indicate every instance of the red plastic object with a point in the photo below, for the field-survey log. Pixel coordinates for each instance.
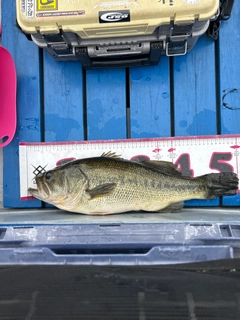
(7, 97)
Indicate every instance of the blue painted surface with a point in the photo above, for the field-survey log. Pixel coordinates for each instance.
(26, 58)
(150, 101)
(106, 104)
(63, 100)
(229, 81)
(194, 96)
(178, 96)
(194, 91)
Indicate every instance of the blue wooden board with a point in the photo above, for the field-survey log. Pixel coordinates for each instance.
(106, 104)
(229, 81)
(149, 89)
(194, 96)
(194, 91)
(58, 101)
(63, 101)
(29, 77)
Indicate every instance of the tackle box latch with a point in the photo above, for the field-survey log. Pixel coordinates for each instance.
(177, 44)
(59, 43)
(224, 13)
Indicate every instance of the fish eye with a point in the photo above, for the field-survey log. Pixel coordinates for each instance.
(48, 175)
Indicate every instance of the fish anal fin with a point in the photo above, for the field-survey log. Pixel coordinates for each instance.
(101, 190)
(96, 213)
(175, 207)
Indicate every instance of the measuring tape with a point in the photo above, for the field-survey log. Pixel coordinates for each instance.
(194, 155)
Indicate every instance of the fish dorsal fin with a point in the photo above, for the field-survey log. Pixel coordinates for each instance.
(165, 167)
(111, 154)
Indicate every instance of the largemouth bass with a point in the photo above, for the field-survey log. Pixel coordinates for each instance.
(108, 185)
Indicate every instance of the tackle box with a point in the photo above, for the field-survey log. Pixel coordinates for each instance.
(115, 33)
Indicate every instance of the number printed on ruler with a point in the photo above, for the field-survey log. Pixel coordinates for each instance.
(201, 159)
(192, 159)
(219, 161)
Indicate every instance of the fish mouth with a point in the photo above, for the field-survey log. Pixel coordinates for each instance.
(42, 192)
(33, 192)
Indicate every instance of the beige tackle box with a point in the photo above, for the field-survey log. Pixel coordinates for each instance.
(115, 33)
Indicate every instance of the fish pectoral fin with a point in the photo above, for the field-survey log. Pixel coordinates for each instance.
(165, 167)
(110, 154)
(102, 190)
(175, 207)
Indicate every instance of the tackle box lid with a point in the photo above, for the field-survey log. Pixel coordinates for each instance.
(94, 19)
(128, 239)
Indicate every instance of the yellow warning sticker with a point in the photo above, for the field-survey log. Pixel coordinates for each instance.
(47, 5)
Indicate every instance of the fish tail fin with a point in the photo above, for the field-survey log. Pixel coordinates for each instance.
(221, 184)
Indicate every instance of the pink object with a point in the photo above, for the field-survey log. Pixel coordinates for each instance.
(7, 97)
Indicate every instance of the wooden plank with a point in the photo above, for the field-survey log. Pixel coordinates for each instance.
(195, 97)
(150, 101)
(63, 100)
(26, 57)
(194, 91)
(106, 104)
(229, 82)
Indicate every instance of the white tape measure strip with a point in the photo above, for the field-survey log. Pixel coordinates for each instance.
(194, 155)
